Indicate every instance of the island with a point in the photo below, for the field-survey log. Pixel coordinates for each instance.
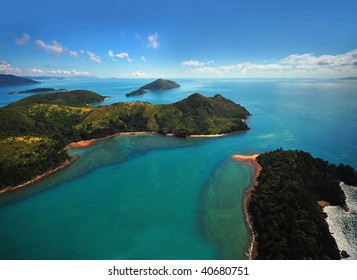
(284, 205)
(36, 90)
(12, 80)
(35, 131)
(159, 84)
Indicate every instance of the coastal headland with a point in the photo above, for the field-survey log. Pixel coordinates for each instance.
(36, 131)
(285, 211)
(252, 159)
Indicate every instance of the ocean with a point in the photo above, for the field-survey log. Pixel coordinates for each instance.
(155, 197)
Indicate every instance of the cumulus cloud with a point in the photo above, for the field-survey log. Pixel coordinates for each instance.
(295, 65)
(122, 55)
(35, 71)
(55, 48)
(143, 58)
(196, 63)
(153, 41)
(138, 74)
(69, 72)
(23, 40)
(73, 53)
(130, 60)
(309, 59)
(7, 68)
(207, 70)
(119, 55)
(94, 57)
(192, 63)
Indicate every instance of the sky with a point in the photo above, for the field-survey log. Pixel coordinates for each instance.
(179, 39)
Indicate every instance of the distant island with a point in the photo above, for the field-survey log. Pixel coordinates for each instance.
(159, 84)
(347, 78)
(285, 203)
(12, 80)
(35, 130)
(37, 90)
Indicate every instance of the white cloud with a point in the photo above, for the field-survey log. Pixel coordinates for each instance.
(130, 60)
(35, 71)
(7, 68)
(143, 58)
(295, 65)
(307, 59)
(55, 48)
(94, 57)
(196, 63)
(119, 55)
(79, 73)
(23, 40)
(73, 53)
(207, 70)
(82, 51)
(140, 74)
(153, 41)
(136, 74)
(122, 55)
(69, 72)
(192, 63)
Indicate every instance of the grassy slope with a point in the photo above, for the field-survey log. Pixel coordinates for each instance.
(34, 130)
(159, 84)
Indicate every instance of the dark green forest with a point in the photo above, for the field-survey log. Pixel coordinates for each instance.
(35, 130)
(284, 206)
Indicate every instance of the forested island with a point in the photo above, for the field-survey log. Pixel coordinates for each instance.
(35, 130)
(36, 90)
(286, 206)
(159, 84)
(12, 80)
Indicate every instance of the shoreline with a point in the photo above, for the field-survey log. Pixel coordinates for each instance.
(252, 248)
(42, 176)
(85, 144)
(90, 142)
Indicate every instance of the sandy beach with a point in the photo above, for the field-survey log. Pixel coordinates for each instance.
(207, 136)
(87, 143)
(252, 251)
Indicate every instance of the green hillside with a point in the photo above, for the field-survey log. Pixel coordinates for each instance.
(35, 130)
(69, 98)
(159, 84)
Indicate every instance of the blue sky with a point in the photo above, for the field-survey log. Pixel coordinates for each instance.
(196, 38)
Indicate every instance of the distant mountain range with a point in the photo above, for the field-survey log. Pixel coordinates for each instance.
(159, 84)
(12, 80)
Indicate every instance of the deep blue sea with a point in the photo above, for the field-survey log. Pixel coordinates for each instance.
(155, 197)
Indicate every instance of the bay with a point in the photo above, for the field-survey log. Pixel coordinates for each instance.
(154, 197)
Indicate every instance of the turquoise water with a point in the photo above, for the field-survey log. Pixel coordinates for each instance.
(154, 197)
